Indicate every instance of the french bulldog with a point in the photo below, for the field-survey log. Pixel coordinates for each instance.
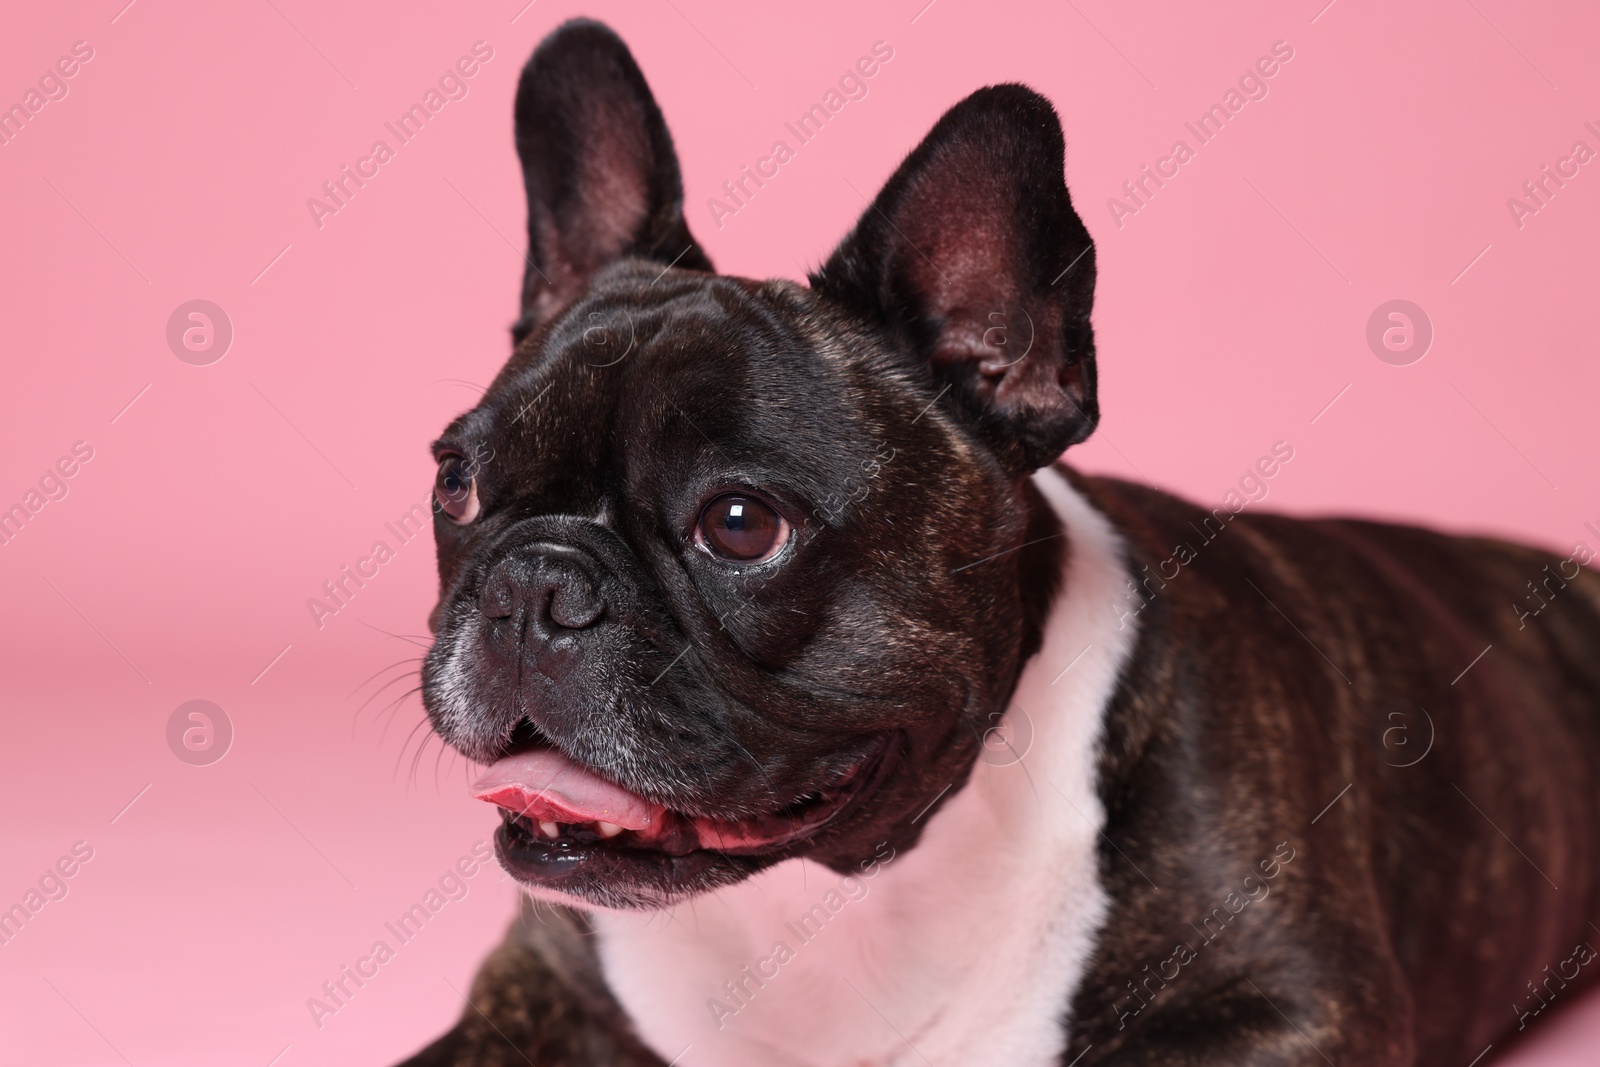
(833, 722)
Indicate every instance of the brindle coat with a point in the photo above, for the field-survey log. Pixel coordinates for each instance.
(1416, 890)
(1406, 927)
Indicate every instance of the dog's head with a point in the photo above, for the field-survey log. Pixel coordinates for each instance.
(730, 570)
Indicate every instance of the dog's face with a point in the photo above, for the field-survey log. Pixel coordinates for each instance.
(729, 570)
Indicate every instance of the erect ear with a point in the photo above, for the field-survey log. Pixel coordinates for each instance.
(974, 260)
(598, 163)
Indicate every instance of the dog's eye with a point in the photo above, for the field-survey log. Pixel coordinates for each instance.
(456, 490)
(742, 529)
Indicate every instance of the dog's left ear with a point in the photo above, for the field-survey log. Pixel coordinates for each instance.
(599, 166)
(973, 257)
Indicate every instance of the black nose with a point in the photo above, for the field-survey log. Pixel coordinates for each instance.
(547, 587)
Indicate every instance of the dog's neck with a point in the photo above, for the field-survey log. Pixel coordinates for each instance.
(964, 949)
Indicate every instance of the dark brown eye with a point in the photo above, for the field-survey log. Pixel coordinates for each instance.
(456, 490)
(742, 529)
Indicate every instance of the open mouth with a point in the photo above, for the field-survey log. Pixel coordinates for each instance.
(561, 818)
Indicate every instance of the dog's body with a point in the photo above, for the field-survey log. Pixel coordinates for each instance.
(978, 765)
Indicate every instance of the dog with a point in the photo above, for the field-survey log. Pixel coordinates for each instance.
(833, 722)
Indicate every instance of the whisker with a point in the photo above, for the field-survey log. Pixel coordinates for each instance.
(369, 678)
(772, 789)
(436, 760)
(396, 680)
(394, 710)
(407, 743)
(417, 759)
(415, 639)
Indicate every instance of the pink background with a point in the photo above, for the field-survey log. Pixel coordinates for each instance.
(1232, 309)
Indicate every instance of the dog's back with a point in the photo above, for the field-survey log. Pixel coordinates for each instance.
(1420, 707)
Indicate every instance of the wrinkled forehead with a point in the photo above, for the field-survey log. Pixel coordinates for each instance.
(653, 370)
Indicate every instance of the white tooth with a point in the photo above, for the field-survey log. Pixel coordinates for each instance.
(608, 829)
(549, 829)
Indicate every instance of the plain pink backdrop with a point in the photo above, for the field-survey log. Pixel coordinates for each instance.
(1232, 308)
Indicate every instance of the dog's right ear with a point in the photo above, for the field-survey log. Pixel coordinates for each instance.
(973, 251)
(600, 170)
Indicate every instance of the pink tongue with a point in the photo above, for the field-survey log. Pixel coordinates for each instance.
(545, 785)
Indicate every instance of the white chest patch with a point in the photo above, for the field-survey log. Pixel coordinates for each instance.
(963, 951)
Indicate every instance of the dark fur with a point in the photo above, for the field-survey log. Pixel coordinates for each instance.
(641, 392)
(1406, 924)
